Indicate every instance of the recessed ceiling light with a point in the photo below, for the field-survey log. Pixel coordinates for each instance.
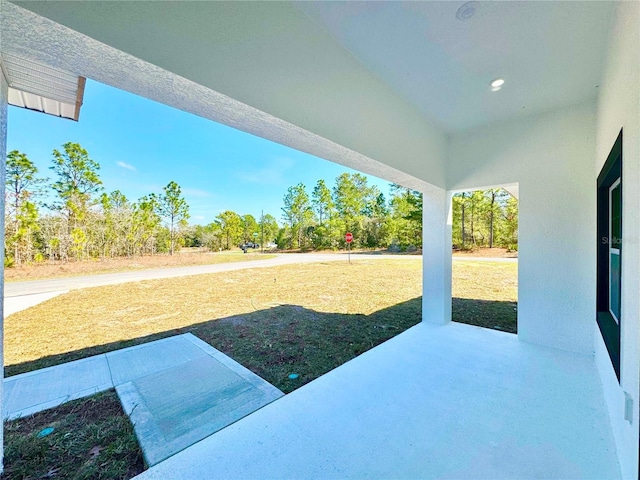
(466, 11)
(497, 84)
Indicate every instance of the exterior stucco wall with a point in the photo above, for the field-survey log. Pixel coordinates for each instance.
(551, 157)
(619, 108)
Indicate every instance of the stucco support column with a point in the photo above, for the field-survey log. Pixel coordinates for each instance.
(3, 161)
(436, 256)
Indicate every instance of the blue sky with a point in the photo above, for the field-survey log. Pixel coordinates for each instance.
(142, 145)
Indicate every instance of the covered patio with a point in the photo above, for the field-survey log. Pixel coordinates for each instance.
(451, 401)
(538, 97)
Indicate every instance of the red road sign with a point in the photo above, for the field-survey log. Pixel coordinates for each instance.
(349, 237)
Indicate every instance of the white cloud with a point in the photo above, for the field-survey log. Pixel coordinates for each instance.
(127, 166)
(271, 174)
(198, 217)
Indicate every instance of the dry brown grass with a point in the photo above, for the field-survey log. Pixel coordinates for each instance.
(485, 281)
(486, 253)
(110, 265)
(96, 316)
(485, 294)
(304, 319)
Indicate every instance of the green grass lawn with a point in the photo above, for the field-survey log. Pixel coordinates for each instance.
(92, 438)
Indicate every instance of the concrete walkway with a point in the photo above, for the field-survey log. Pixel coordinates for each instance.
(177, 390)
(22, 302)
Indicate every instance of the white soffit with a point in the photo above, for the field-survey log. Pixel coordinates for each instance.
(41, 88)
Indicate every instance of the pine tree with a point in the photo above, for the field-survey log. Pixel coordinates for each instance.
(22, 186)
(173, 208)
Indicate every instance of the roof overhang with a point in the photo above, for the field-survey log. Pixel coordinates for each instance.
(41, 88)
(513, 190)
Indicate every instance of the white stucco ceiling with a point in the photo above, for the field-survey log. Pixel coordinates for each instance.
(280, 57)
(550, 54)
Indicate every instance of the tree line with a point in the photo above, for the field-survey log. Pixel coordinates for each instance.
(71, 217)
(485, 218)
(80, 220)
(320, 218)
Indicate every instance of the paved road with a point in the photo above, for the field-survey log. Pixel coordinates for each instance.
(33, 287)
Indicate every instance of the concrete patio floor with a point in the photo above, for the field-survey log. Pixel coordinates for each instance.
(452, 401)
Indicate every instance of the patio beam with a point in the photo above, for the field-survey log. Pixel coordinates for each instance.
(436, 256)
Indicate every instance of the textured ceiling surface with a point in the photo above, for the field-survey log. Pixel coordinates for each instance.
(29, 35)
(551, 54)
